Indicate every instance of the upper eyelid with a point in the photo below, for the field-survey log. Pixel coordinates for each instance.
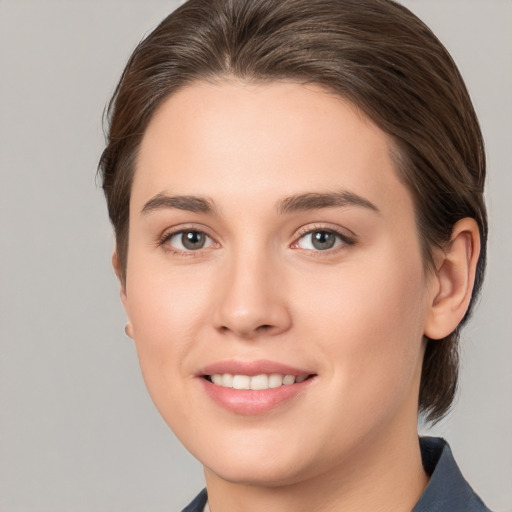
(171, 231)
(341, 231)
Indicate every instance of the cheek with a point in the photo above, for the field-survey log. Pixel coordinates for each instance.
(163, 299)
(167, 310)
(369, 323)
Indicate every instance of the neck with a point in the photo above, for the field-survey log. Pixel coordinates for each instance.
(387, 475)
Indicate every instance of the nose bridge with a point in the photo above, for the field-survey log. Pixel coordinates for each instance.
(251, 298)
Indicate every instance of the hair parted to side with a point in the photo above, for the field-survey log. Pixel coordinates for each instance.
(376, 54)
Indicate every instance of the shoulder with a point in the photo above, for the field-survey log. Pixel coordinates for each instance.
(447, 490)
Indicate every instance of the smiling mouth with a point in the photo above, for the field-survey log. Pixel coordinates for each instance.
(255, 382)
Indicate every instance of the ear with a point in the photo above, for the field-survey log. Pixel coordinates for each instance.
(453, 280)
(118, 269)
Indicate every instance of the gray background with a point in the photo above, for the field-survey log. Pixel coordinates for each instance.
(77, 429)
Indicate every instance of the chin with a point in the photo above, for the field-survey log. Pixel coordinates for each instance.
(255, 460)
(273, 473)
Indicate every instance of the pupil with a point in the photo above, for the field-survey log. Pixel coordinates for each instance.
(323, 240)
(192, 240)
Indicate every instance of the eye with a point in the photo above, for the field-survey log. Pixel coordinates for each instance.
(321, 240)
(188, 240)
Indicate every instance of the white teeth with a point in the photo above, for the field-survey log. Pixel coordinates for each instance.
(275, 380)
(241, 382)
(227, 380)
(259, 382)
(217, 379)
(256, 382)
(289, 379)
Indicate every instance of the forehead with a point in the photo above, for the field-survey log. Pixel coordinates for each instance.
(272, 139)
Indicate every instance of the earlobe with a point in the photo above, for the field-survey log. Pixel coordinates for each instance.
(453, 280)
(128, 330)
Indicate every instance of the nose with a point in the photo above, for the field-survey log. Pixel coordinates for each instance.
(251, 298)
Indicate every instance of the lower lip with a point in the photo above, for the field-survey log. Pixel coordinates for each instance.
(251, 402)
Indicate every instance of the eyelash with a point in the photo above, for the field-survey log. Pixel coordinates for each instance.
(345, 240)
(168, 235)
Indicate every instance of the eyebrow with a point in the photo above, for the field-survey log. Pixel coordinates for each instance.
(314, 200)
(188, 203)
(296, 203)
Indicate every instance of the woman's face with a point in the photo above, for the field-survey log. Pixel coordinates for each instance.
(271, 240)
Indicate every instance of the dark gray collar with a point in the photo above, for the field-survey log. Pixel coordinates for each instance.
(447, 490)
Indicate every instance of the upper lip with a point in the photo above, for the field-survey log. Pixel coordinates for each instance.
(251, 368)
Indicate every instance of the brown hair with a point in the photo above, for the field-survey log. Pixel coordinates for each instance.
(375, 53)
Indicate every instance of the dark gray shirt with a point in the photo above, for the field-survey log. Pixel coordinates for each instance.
(447, 490)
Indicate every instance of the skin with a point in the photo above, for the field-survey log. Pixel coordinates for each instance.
(354, 315)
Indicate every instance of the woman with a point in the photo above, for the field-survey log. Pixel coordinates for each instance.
(296, 189)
